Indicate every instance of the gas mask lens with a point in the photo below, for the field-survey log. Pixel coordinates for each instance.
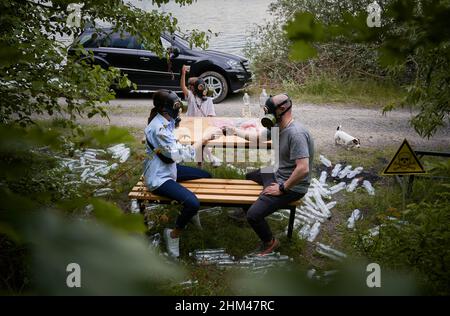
(177, 105)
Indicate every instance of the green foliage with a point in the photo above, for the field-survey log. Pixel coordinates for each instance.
(111, 263)
(38, 77)
(110, 214)
(414, 35)
(36, 74)
(269, 47)
(418, 245)
(44, 227)
(102, 137)
(413, 240)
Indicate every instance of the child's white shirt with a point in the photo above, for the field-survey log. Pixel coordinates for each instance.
(197, 107)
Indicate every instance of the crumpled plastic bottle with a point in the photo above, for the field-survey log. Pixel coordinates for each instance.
(325, 161)
(368, 186)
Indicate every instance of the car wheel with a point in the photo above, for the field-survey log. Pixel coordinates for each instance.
(217, 83)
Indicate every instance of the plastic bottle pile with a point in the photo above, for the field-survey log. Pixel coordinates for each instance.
(86, 166)
(317, 203)
(220, 258)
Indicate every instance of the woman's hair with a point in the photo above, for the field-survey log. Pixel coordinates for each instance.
(159, 98)
(152, 115)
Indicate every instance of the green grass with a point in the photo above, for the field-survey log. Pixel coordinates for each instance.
(325, 89)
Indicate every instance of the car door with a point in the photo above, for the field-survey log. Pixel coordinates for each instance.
(153, 69)
(158, 72)
(175, 64)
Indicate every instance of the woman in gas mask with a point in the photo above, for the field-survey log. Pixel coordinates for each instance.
(200, 104)
(161, 171)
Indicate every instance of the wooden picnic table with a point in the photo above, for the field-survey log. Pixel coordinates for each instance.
(190, 127)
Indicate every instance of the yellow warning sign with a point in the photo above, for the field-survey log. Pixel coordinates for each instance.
(405, 161)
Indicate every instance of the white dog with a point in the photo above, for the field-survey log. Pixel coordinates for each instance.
(345, 139)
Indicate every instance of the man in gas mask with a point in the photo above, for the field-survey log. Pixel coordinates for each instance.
(291, 180)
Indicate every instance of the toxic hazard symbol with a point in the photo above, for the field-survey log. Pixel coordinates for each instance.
(404, 161)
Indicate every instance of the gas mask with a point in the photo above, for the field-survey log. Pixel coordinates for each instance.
(270, 119)
(200, 89)
(170, 104)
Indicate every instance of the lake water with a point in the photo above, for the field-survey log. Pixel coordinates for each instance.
(232, 19)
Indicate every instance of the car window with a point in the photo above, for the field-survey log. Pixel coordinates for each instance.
(122, 40)
(90, 40)
(179, 39)
(165, 43)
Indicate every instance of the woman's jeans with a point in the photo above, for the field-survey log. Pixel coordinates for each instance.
(177, 192)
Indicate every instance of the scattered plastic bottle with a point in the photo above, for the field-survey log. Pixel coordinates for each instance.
(134, 207)
(263, 98)
(325, 161)
(368, 186)
(331, 204)
(246, 99)
(304, 231)
(246, 112)
(315, 229)
(345, 172)
(355, 172)
(338, 187)
(262, 101)
(331, 250)
(352, 186)
(356, 215)
(336, 169)
(323, 177)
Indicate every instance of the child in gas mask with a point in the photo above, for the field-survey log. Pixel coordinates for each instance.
(199, 105)
(161, 171)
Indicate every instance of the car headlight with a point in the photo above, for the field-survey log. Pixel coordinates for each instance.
(233, 64)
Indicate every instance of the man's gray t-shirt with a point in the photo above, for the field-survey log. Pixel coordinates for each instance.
(295, 142)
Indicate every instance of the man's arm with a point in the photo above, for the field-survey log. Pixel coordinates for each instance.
(250, 135)
(183, 82)
(300, 172)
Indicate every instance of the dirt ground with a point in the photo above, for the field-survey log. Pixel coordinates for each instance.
(368, 124)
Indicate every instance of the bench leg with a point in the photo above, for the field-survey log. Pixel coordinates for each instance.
(291, 222)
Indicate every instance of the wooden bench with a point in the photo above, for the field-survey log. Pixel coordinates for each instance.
(214, 192)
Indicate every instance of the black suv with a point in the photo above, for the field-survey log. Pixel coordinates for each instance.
(224, 73)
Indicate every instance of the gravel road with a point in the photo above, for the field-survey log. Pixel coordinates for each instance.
(367, 124)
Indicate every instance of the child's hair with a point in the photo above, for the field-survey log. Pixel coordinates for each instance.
(191, 82)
